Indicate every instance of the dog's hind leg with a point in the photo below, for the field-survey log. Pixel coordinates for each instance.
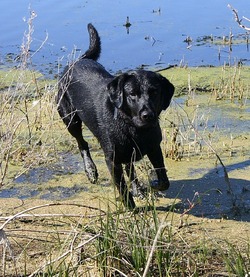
(138, 190)
(116, 172)
(74, 126)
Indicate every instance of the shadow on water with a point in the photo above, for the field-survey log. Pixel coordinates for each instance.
(210, 197)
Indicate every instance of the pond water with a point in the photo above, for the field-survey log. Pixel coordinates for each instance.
(156, 38)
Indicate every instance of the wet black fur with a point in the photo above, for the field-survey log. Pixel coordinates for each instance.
(121, 111)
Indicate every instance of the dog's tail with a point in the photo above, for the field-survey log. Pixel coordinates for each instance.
(94, 50)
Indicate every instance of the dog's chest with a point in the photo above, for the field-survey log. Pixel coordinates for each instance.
(130, 144)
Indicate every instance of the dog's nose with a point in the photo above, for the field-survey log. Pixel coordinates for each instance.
(147, 115)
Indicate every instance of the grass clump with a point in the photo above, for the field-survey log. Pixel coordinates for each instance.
(186, 126)
(27, 114)
(131, 244)
(111, 242)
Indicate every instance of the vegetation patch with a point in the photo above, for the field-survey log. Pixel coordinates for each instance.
(227, 82)
(68, 227)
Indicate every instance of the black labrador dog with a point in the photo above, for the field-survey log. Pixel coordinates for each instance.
(121, 111)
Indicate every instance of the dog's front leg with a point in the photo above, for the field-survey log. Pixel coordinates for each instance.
(156, 158)
(118, 177)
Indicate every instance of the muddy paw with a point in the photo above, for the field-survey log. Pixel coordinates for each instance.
(89, 167)
(92, 175)
(139, 190)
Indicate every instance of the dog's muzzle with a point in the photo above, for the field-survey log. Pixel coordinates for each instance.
(147, 117)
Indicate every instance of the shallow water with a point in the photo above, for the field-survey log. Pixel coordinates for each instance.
(155, 38)
(224, 117)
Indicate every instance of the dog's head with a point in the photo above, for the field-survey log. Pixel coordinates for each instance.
(141, 95)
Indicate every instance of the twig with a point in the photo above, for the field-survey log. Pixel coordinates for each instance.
(2, 218)
(24, 213)
(25, 53)
(6, 246)
(246, 18)
(42, 44)
(238, 20)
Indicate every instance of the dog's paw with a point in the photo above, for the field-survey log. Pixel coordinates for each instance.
(158, 185)
(139, 190)
(89, 167)
(92, 175)
(91, 171)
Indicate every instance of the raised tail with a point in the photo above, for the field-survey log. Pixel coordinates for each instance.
(94, 50)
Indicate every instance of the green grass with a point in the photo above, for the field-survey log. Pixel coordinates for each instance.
(227, 82)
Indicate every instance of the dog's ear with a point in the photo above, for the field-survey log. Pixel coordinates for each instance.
(167, 90)
(115, 90)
